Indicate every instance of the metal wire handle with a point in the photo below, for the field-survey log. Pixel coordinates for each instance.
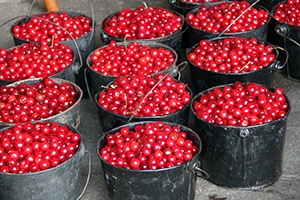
(195, 168)
(253, 4)
(88, 176)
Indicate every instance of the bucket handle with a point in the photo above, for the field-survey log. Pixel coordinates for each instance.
(89, 171)
(93, 21)
(88, 88)
(182, 66)
(195, 168)
(284, 31)
(276, 65)
(253, 4)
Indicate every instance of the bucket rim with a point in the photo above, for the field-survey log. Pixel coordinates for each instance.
(175, 3)
(142, 42)
(201, 4)
(143, 118)
(157, 39)
(56, 80)
(213, 35)
(77, 155)
(189, 50)
(182, 127)
(27, 18)
(237, 127)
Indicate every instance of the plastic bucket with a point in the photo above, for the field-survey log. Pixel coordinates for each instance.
(173, 40)
(71, 116)
(61, 182)
(82, 46)
(196, 35)
(204, 79)
(110, 120)
(98, 80)
(68, 73)
(177, 182)
(241, 157)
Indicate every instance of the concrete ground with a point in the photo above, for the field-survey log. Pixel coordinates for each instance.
(286, 188)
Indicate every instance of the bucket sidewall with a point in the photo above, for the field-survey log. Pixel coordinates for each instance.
(169, 183)
(234, 160)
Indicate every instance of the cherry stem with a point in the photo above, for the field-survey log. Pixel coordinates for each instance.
(109, 86)
(237, 18)
(125, 41)
(52, 41)
(158, 82)
(125, 99)
(245, 65)
(145, 5)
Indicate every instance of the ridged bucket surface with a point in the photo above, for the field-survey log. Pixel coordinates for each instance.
(177, 182)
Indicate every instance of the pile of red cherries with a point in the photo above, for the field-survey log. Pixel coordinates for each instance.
(47, 26)
(144, 96)
(155, 145)
(144, 22)
(241, 105)
(232, 55)
(288, 12)
(217, 18)
(33, 147)
(132, 59)
(27, 103)
(34, 60)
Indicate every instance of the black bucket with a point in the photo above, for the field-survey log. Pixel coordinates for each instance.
(70, 116)
(110, 120)
(67, 74)
(241, 157)
(97, 80)
(184, 8)
(204, 79)
(287, 36)
(82, 46)
(60, 182)
(196, 35)
(181, 8)
(177, 182)
(268, 4)
(173, 40)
